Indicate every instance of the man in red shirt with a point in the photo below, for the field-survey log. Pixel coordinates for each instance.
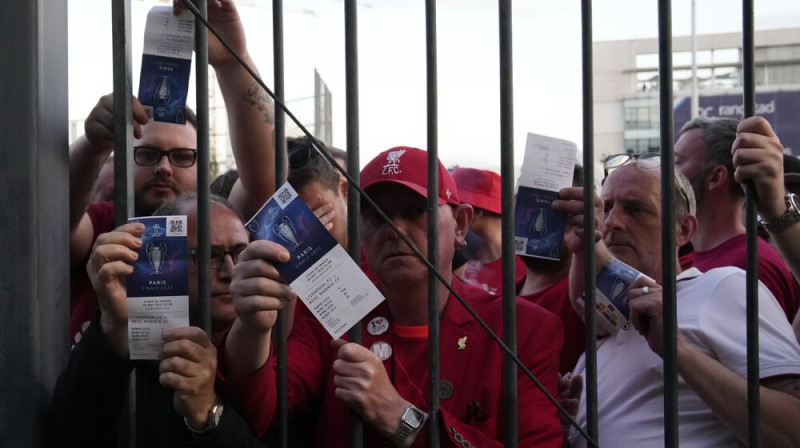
(703, 155)
(386, 384)
(481, 190)
(165, 157)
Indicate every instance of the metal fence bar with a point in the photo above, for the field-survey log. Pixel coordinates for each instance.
(751, 201)
(123, 163)
(433, 221)
(123, 111)
(509, 370)
(588, 221)
(279, 131)
(668, 224)
(353, 197)
(203, 164)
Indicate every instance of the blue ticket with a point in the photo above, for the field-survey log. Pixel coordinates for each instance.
(538, 230)
(331, 285)
(613, 282)
(158, 288)
(166, 64)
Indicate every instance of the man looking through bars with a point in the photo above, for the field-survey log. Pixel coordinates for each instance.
(703, 155)
(386, 383)
(165, 156)
(712, 360)
(758, 156)
(176, 404)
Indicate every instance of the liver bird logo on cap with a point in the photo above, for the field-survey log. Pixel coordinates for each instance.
(393, 162)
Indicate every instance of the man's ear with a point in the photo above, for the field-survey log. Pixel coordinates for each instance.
(343, 186)
(684, 229)
(463, 215)
(717, 177)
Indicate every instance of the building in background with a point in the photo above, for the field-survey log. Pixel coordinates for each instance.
(626, 87)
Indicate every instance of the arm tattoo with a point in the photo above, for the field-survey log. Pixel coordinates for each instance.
(257, 97)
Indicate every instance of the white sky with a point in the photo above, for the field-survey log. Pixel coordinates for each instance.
(547, 72)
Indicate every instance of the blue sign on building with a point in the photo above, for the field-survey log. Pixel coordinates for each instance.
(781, 109)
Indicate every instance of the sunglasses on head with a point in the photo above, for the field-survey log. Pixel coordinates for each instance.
(300, 153)
(648, 161)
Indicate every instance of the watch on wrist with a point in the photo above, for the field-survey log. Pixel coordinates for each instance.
(784, 221)
(214, 417)
(410, 423)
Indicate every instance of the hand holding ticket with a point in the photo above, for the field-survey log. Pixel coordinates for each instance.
(319, 270)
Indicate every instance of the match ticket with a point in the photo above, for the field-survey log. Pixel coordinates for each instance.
(548, 167)
(166, 64)
(320, 271)
(158, 288)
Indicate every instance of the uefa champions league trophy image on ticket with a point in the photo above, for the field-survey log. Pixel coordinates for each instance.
(163, 91)
(539, 223)
(156, 254)
(286, 231)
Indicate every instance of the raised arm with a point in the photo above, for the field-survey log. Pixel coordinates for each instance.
(758, 157)
(251, 116)
(86, 156)
(89, 397)
(258, 293)
(570, 202)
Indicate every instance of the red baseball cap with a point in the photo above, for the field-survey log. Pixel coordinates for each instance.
(408, 167)
(479, 188)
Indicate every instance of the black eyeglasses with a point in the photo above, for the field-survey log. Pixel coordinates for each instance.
(217, 258)
(647, 161)
(178, 157)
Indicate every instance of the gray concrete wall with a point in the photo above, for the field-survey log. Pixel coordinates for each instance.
(34, 271)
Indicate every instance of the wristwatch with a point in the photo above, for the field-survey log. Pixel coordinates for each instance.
(214, 417)
(784, 221)
(410, 423)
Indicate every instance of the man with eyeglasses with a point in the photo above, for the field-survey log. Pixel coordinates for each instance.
(165, 156)
(176, 404)
(711, 341)
(703, 155)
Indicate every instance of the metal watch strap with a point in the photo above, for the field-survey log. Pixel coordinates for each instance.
(214, 417)
(791, 216)
(405, 429)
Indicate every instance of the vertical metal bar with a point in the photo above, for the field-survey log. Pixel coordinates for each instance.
(668, 224)
(318, 101)
(509, 371)
(123, 111)
(588, 200)
(433, 220)
(753, 374)
(33, 234)
(280, 147)
(353, 149)
(203, 164)
(123, 162)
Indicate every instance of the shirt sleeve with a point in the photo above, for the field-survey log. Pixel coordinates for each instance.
(722, 325)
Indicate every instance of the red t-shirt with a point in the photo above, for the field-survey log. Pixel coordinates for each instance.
(489, 276)
(772, 270)
(82, 298)
(471, 407)
(556, 300)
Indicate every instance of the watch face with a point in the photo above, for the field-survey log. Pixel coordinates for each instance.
(216, 415)
(791, 201)
(413, 417)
